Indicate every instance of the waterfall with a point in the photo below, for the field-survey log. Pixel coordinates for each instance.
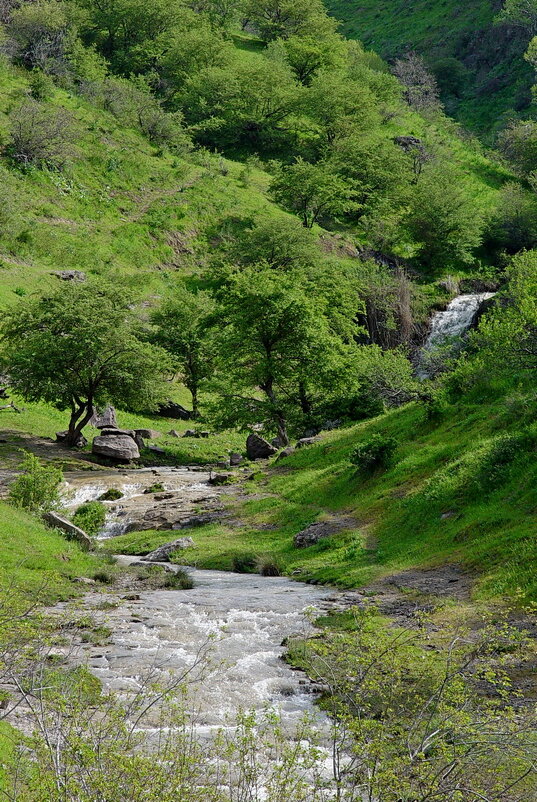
(452, 322)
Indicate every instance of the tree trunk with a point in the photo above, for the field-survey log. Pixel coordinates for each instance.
(195, 402)
(278, 415)
(81, 415)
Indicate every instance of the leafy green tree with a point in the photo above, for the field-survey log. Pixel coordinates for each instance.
(522, 13)
(312, 191)
(184, 330)
(78, 346)
(247, 103)
(443, 220)
(41, 33)
(275, 19)
(340, 107)
(279, 242)
(307, 55)
(513, 224)
(518, 143)
(276, 350)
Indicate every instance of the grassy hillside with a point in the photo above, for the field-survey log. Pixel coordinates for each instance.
(461, 490)
(493, 79)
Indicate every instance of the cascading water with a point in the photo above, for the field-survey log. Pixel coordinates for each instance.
(451, 323)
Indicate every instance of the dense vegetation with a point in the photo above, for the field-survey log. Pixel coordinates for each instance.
(227, 203)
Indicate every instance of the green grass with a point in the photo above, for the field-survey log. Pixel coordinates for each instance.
(424, 511)
(37, 562)
(497, 80)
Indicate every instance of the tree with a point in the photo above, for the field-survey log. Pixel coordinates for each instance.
(518, 143)
(276, 349)
(522, 13)
(280, 19)
(312, 191)
(340, 106)
(280, 242)
(184, 330)
(443, 220)
(77, 347)
(40, 33)
(421, 90)
(307, 55)
(513, 224)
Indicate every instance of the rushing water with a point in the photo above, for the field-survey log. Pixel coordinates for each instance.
(453, 321)
(238, 621)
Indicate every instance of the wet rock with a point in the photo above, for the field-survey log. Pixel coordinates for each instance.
(220, 479)
(164, 496)
(163, 553)
(171, 409)
(259, 448)
(59, 522)
(148, 434)
(120, 447)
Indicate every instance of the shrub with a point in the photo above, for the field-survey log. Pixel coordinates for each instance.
(158, 487)
(41, 134)
(180, 580)
(375, 453)
(90, 517)
(36, 489)
(243, 563)
(112, 494)
(41, 85)
(268, 566)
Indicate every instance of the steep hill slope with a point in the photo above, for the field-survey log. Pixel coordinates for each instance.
(479, 64)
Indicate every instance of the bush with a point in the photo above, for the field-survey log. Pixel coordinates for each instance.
(36, 489)
(268, 566)
(243, 563)
(41, 134)
(180, 580)
(90, 517)
(375, 453)
(158, 487)
(112, 494)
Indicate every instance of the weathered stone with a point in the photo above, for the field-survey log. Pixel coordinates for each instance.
(148, 434)
(59, 522)
(81, 441)
(278, 442)
(69, 275)
(321, 529)
(258, 448)
(204, 435)
(195, 520)
(286, 452)
(105, 418)
(171, 409)
(307, 441)
(161, 452)
(190, 433)
(163, 553)
(174, 433)
(235, 459)
(223, 464)
(112, 431)
(220, 479)
(120, 447)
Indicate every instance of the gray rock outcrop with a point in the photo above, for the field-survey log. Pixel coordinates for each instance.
(59, 522)
(259, 448)
(163, 553)
(119, 446)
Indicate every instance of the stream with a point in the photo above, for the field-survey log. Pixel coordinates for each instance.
(239, 620)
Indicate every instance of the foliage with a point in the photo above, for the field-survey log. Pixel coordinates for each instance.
(377, 452)
(41, 135)
(520, 12)
(36, 488)
(77, 347)
(312, 191)
(90, 517)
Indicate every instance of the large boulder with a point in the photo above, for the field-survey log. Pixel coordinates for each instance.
(320, 530)
(59, 522)
(259, 448)
(69, 275)
(120, 447)
(163, 553)
(171, 409)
